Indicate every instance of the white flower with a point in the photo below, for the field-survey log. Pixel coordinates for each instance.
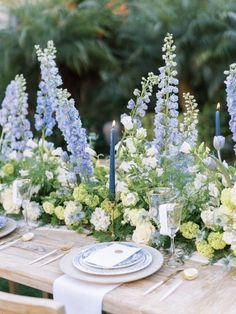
(100, 219)
(130, 145)
(90, 151)
(126, 165)
(129, 199)
(13, 155)
(151, 151)
(135, 216)
(149, 162)
(121, 187)
(73, 212)
(141, 133)
(229, 237)
(208, 217)
(24, 173)
(159, 171)
(31, 144)
(127, 122)
(49, 175)
(185, 148)
(28, 153)
(143, 233)
(199, 181)
(65, 177)
(213, 190)
(218, 142)
(31, 210)
(58, 152)
(9, 206)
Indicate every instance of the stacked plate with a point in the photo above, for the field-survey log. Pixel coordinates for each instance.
(7, 225)
(141, 259)
(3, 222)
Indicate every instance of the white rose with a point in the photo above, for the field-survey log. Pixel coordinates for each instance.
(185, 148)
(213, 190)
(129, 199)
(141, 133)
(127, 122)
(31, 210)
(151, 151)
(143, 233)
(126, 165)
(9, 206)
(130, 145)
(100, 219)
(229, 237)
(208, 217)
(149, 162)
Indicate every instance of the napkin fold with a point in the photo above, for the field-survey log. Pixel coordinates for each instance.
(80, 297)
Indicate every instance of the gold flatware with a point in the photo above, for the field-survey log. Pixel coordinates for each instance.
(64, 247)
(172, 289)
(53, 259)
(25, 237)
(160, 283)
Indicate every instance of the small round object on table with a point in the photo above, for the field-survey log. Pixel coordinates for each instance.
(190, 273)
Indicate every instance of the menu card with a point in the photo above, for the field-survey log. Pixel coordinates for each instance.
(111, 255)
(163, 216)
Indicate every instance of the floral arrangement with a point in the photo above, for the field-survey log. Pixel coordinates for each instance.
(70, 187)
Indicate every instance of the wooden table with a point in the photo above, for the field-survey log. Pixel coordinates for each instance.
(212, 293)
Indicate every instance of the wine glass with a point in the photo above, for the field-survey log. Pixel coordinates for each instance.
(167, 214)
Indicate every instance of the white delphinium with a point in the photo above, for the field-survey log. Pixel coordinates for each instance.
(49, 175)
(130, 145)
(31, 210)
(149, 162)
(65, 177)
(199, 181)
(188, 127)
(141, 133)
(126, 166)
(127, 122)
(213, 190)
(100, 219)
(121, 187)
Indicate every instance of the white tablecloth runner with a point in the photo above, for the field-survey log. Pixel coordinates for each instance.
(80, 297)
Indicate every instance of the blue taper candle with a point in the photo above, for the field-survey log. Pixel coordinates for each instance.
(112, 177)
(217, 122)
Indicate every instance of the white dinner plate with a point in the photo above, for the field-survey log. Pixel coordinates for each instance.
(68, 268)
(10, 227)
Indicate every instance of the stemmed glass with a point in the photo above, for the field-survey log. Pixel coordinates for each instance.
(165, 206)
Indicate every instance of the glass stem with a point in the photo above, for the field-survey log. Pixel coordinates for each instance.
(172, 245)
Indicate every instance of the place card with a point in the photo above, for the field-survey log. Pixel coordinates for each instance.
(163, 217)
(111, 255)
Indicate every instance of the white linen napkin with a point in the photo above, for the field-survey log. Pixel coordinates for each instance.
(80, 297)
(111, 255)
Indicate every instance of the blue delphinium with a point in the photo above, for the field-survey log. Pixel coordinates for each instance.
(13, 117)
(167, 136)
(231, 98)
(139, 107)
(46, 96)
(70, 125)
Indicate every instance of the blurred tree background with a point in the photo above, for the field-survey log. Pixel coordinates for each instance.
(106, 46)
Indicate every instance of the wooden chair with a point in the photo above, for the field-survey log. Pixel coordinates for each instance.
(17, 304)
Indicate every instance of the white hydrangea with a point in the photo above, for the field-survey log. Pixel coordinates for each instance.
(129, 199)
(143, 233)
(73, 212)
(66, 177)
(31, 210)
(100, 219)
(135, 216)
(127, 122)
(6, 198)
(121, 187)
(185, 148)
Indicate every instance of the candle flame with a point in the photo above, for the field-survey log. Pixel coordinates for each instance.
(218, 106)
(113, 123)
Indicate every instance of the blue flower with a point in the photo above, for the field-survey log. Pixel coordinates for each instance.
(46, 96)
(70, 125)
(231, 98)
(13, 117)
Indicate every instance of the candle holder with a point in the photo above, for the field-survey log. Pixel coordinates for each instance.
(113, 206)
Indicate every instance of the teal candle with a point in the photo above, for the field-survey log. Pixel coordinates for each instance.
(217, 120)
(112, 177)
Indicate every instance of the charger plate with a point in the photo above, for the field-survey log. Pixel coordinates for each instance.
(68, 268)
(10, 227)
